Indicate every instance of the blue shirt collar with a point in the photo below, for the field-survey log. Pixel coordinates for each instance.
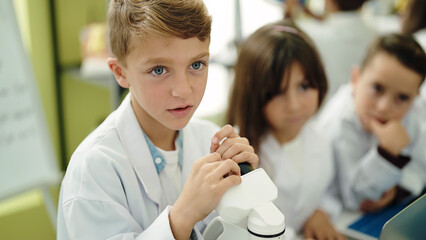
(158, 158)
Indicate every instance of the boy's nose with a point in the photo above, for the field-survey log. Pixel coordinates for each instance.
(181, 86)
(384, 105)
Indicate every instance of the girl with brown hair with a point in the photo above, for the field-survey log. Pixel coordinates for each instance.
(279, 85)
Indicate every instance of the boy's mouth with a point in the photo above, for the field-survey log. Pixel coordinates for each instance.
(382, 121)
(181, 111)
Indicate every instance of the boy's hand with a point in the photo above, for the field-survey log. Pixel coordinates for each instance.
(319, 227)
(202, 192)
(375, 206)
(392, 136)
(233, 147)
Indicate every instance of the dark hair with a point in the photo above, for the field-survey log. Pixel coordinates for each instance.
(349, 5)
(403, 47)
(262, 61)
(415, 18)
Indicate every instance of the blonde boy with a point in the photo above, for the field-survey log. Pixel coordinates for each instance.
(148, 172)
(376, 132)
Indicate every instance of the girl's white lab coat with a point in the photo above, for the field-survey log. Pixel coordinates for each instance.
(362, 172)
(111, 189)
(299, 195)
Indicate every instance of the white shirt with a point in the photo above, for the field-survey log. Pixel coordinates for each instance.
(303, 173)
(111, 189)
(293, 152)
(171, 176)
(420, 36)
(362, 172)
(342, 40)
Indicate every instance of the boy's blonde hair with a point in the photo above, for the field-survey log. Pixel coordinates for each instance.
(135, 19)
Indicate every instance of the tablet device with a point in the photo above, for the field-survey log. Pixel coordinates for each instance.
(408, 224)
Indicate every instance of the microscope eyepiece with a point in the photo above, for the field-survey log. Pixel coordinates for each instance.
(245, 168)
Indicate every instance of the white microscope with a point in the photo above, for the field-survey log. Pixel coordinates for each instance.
(246, 211)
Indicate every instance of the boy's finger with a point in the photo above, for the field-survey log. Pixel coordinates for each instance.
(250, 158)
(228, 182)
(231, 146)
(210, 158)
(227, 167)
(226, 132)
(375, 126)
(224, 145)
(239, 150)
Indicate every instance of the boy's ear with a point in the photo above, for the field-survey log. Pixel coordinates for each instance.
(354, 78)
(118, 72)
(354, 75)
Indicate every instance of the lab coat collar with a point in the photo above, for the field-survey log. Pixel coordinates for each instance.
(158, 158)
(138, 152)
(190, 152)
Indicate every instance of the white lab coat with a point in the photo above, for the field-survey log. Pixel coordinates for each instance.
(420, 36)
(342, 40)
(362, 172)
(300, 194)
(421, 102)
(111, 189)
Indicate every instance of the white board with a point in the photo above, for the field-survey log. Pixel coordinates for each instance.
(27, 159)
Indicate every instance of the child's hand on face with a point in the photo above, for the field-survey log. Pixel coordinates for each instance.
(319, 227)
(202, 192)
(233, 147)
(375, 206)
(392, 136)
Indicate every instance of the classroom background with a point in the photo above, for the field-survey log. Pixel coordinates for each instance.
(67, 46)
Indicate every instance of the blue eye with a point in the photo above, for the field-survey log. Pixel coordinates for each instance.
(158, 70)
(197, 65)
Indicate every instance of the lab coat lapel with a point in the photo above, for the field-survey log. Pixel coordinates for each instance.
(190, 152)
(137, 149)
